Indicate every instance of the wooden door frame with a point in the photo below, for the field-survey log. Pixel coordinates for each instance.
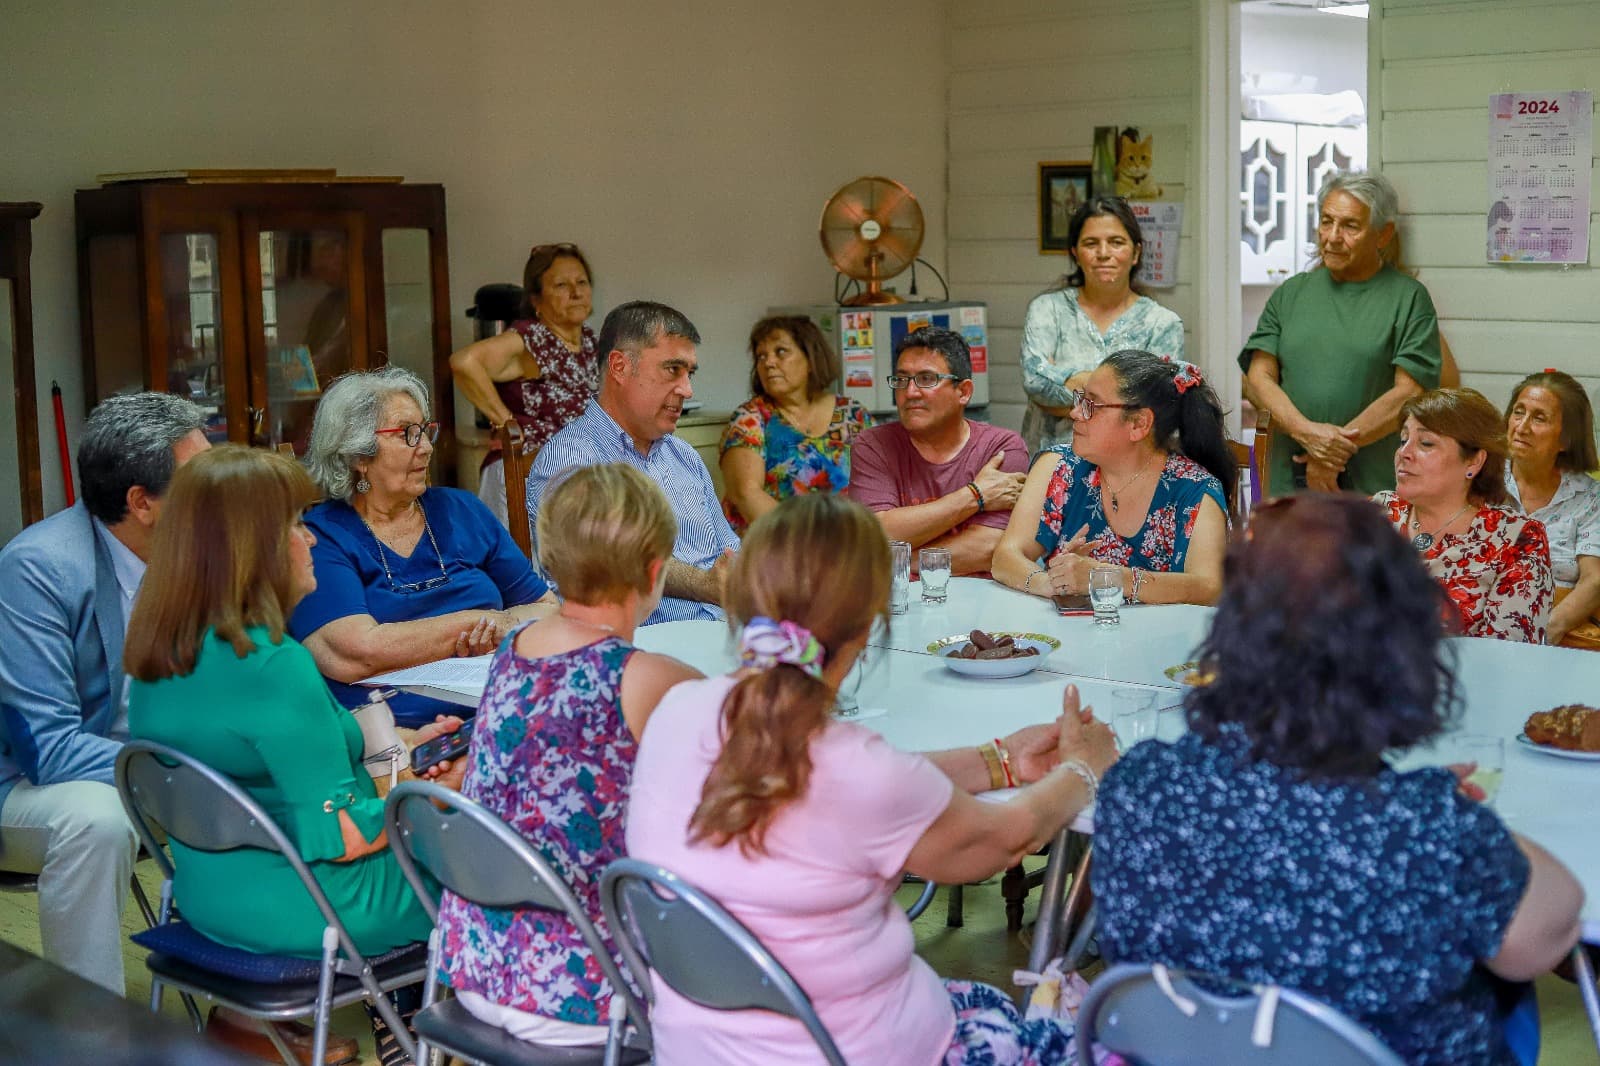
(1216, 167)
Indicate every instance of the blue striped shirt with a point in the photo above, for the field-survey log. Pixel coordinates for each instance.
(703, 533)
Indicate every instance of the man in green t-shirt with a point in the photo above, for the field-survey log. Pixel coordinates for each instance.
(1341, 347)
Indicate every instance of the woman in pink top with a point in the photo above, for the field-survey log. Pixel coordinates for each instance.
(802, 825)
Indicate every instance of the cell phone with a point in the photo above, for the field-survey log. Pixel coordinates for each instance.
(440, 748)
(1072, 603)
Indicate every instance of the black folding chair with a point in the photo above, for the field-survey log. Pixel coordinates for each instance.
(1152, 1014)
(483, 860)
(665, 924)
(202, 809)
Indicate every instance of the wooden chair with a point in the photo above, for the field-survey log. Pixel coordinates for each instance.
(1251, 459)
(516, 468)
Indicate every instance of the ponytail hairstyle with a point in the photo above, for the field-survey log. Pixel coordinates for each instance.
(819, 563)
(1188, 415)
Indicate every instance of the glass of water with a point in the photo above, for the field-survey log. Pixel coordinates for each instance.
(1133, 716)
(1488, 756)
(934, 564)
(1105, 594)
(900, 576)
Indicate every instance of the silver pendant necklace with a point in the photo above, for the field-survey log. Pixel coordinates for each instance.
(1423, 541)
(1116, 504)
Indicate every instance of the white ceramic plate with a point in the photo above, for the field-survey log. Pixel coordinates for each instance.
(1560, 753)
(1187, 674)
(947, 648)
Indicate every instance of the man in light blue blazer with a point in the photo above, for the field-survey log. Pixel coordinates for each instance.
(66, 589)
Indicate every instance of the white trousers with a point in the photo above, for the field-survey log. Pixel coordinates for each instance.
(77, 838)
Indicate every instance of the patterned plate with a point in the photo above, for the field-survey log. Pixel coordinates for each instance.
(947, 648)
(1560, 753)
(1187, 674)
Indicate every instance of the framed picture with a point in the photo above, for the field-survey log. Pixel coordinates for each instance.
(1062, 187)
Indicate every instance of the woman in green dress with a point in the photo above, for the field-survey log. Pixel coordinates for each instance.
(215, 676)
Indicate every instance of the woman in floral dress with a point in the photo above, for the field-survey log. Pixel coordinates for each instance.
(794, 434)
(553, 751)
(1450, 501)
(1144, 487)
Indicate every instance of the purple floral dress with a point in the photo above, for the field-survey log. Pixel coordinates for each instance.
(552, 756)
(1162, 543)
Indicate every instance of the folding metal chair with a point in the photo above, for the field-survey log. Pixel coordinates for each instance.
(483, 860)
(203, 809)
(663, 923)
(1152, 1014)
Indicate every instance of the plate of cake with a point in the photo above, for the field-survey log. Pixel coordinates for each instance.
(981, 654)
(1568, 732)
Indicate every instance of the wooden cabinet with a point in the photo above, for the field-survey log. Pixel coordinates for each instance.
(21, 486)
(249, 298)
(1282, 167)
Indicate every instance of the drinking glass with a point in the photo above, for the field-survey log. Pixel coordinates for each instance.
(934, 564)
(1133, 716)
(900, 576)
(1105, 594)
(1488, 753)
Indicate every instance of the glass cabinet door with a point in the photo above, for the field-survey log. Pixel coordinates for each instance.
(191, 289)
(311, 331)
(408, 302)
(11, 518)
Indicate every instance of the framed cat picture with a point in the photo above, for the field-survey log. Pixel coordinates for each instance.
(1062, 187)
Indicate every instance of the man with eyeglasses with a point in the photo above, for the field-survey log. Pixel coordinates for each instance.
(647, 362)
(936, 478)
(67, 586)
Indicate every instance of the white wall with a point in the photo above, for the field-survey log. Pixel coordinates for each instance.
(1438, 61)
(1029, 81)
(688, 147)
(1331, 48)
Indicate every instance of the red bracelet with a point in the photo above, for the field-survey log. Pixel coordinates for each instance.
(1005, 762)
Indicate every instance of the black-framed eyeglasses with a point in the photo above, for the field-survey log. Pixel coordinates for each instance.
(1085, 407)
(924, 380)
(412, 432)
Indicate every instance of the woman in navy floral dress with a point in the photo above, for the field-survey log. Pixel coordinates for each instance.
(1273, 845)
(553, 751)
(1144, 487)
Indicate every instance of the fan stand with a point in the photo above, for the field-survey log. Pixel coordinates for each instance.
(873, 295)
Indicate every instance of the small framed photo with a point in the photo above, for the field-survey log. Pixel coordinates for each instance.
(1062, 187)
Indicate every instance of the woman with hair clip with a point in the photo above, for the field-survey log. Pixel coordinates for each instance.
(1097, 307)
(1550, 426)
(802, 825)
(216, 675)
(1144, 487)
(1450, 501)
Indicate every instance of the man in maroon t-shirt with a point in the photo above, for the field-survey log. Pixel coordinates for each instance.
(934, 478)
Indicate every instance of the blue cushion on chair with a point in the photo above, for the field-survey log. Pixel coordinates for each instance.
(182, 941)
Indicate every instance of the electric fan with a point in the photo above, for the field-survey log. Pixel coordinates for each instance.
(871, 230)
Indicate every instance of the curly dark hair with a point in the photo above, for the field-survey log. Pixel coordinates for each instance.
(1326, 646)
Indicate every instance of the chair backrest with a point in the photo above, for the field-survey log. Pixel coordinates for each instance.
(1128, 1011)
(1244, 459)
(516, 466)
(480, 858)
(1261, 453)
(197, 806)
(663, 923)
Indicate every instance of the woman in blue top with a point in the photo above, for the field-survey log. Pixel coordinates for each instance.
(1144, 488)
(1272, 844)
(406, 574)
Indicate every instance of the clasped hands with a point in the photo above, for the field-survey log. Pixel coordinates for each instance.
(1077, 734)
(1327, 449)
(1070, 565)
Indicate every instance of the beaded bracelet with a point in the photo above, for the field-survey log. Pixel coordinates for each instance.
(1090, 778)
(976, 495)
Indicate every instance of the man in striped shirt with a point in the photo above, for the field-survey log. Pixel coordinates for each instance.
(649, 360)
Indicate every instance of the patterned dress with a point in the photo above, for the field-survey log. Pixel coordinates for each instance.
(1497, 572)
(566, 380)
(1378, 896)
(794, 462)
(1571, 522)
(552, 755)
(1073, 500)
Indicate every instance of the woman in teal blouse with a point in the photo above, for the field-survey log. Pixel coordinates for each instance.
(216, 677)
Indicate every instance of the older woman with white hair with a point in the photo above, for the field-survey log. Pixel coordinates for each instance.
(406, 573)
(1339, 349)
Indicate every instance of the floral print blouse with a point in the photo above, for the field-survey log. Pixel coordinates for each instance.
(1497, 573)
(1571, 522)
(553, 757)
(795, 463)
(1073, 500)
(543, 405)
(1377, 896)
